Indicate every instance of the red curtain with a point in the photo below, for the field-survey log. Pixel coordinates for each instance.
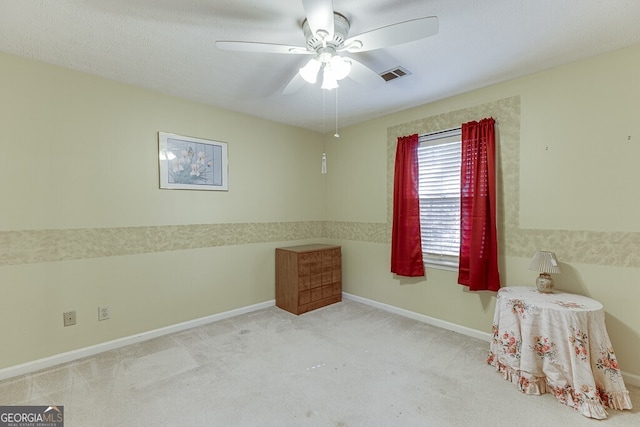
(406, 245)
(478, 238)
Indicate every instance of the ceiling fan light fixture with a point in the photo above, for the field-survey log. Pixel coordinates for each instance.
(340, 67)
(310, 71)
(327, 34)
(328, 79)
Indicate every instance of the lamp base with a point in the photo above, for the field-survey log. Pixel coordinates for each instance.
(544, 283)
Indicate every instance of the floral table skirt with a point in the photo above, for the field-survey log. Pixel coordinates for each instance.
(557, 343)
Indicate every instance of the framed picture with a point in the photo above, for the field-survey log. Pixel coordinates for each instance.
(188, 163)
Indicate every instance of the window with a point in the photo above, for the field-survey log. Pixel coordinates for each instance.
(439, 158)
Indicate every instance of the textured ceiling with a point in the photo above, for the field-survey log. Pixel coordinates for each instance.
(168, 46)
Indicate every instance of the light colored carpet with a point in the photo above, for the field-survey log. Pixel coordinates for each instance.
(348, 364)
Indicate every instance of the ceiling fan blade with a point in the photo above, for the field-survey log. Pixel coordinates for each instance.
(294, 85)
(319, 14)
(391, 35)
(364, 75)
(262, 47)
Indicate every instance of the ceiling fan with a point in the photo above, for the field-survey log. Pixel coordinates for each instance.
(326, 33)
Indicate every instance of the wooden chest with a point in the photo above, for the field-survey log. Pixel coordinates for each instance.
(308, 277)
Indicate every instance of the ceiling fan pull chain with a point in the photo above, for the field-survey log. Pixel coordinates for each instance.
(336, 135)
(324, 112)
(323, 168)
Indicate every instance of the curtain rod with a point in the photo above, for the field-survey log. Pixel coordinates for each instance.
(440, 134)
(442, 131)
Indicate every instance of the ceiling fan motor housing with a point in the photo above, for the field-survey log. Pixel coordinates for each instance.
(317, 43)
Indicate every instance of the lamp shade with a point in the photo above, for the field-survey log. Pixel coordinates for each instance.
(328, 80)
(544, 262)
(340, 67)
(310, 71)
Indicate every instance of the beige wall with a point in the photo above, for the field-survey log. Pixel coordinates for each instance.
(85, 224)
(568, 177)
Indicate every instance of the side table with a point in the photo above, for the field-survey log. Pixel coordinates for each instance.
(557, 343)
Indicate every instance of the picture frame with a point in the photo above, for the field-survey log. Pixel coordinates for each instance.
(188, 163)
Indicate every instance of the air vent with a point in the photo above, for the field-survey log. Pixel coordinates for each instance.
(395, 73)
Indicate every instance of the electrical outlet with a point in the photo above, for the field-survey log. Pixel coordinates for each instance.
(69, 318)
(104, 312)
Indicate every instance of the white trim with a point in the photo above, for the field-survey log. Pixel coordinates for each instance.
(630, 379)
(434, 136)
(70, 356)
(439, 266)
(485, 336)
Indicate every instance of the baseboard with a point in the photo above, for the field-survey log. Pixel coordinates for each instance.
(485, 336)
(629, 379)
(70, 356)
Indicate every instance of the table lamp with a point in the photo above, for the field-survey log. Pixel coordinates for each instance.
(545, 262)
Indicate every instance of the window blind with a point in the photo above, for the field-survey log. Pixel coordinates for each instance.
(439, 158)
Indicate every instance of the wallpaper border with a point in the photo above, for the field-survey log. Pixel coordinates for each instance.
(34, 246)
(598, 248)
